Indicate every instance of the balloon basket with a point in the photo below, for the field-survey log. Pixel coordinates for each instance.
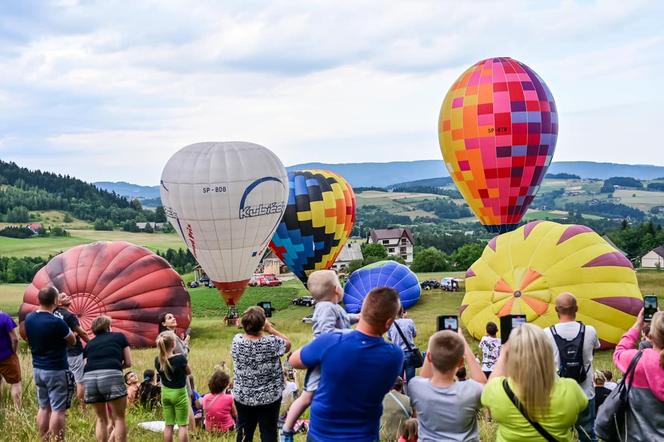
(231, 316)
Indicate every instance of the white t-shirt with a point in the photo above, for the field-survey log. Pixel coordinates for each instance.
(610, 385)
(568, 331)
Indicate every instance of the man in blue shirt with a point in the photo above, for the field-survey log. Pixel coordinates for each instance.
(48, 337)
(358, 369)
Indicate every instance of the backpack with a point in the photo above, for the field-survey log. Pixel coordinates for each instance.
(571, 355)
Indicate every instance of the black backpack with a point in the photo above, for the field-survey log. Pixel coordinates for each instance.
(571, 355)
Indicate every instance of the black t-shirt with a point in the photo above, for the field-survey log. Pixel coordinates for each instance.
(105, 352)
(177, 375)
(73, 324)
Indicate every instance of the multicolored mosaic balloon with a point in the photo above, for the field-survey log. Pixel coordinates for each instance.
(318, 220)
(497, 129)
(129, 283)
(522, 272)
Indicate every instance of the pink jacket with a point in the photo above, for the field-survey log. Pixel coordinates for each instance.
(648, 374)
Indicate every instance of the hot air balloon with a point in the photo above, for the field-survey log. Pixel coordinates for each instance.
(522, 272)
(497, 129)
(225, 201)
(317, 221)
(129, 283)
(381, 274)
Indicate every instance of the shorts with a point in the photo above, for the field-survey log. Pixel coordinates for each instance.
(104, 386)
(76, 366)
(10, 369)
(175, 403)
(55, 388)
(312, 379)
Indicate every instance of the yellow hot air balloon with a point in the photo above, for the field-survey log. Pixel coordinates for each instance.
(522, 272)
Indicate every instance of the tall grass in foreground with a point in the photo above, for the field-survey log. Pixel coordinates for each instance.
(210, 345)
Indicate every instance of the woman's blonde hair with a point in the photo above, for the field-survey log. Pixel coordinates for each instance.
(165, 343)
(530, 366)
(101, 324)
(657, 334)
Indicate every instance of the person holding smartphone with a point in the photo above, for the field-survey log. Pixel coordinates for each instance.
(446, 408)
(645, 420)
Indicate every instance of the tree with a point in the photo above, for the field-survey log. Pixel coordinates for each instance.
(466, 255)
(375, 250)
(67, 218)
(354, 265)
(136, 204)
(18, 214)
(429, 260)
(148, 228)
(159, 215)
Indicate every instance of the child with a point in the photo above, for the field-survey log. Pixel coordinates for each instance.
(601, 392)
(608, 375)
(219, 407)
(131, 380)
(408, 431)
(447, 409)
(328, 316)
(149, 391)
(461, 374)
(173, 370)
(490, 346)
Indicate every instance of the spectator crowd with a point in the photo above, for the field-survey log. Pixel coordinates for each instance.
(539, 385)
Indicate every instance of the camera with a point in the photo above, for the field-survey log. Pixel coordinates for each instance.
(267, 308)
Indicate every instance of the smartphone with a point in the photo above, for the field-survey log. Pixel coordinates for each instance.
(649, 307)
(448, 322)
(267, 308)
(187, 332)
(509, 322)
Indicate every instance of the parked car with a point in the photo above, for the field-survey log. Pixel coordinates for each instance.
(430, 284)
(264, 280)
(193, 284)
(306, 301)
(450, 284)
(309, 319)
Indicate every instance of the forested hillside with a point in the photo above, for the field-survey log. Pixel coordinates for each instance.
(23, 190)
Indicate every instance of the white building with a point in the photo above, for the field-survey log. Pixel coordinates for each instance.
(654, 259)
(351, 251)
(398, 242)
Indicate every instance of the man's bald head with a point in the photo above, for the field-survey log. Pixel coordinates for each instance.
(566, 305)
(324, 285)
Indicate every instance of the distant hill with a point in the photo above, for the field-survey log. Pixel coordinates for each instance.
(428, 182)
(416, 173)
(129, 190)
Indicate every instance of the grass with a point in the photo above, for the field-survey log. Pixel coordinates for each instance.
(45, 246)
(211, 344)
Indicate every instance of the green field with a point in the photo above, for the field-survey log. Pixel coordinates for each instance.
(45, 246)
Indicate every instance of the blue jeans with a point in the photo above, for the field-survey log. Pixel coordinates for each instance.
(585, 423)
(408, 366)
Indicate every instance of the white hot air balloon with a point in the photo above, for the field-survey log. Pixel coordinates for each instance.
(225, 200)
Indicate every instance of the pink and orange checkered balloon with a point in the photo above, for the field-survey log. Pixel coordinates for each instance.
(497, 129)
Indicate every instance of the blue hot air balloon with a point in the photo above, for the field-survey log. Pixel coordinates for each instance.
(381, 274)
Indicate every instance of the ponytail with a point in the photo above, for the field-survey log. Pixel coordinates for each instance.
(165, 343)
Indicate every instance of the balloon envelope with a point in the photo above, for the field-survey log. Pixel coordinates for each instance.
(129, 283)
(224, 201)
(497, 129)
(317, 222)
(522, 272)
(381, 274)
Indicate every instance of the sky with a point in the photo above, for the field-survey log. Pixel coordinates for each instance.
(108, 90)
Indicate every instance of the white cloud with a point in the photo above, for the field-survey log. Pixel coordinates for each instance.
(124, 84)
